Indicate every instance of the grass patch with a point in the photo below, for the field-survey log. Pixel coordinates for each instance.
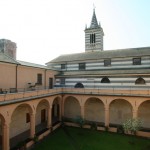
(91, 140)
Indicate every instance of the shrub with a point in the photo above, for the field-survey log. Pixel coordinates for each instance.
(132, 125)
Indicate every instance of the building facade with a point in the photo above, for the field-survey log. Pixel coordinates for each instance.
(105, 87)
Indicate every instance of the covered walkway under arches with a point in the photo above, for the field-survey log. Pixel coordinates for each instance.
(120, 111)
(56, 110)
(94, 110)
(20, 125)
(41, 116)
(71, 107)
(144, 114)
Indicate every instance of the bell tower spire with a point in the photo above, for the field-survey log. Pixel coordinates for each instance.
(94, 35)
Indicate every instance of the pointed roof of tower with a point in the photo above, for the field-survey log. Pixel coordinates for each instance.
(94, 23)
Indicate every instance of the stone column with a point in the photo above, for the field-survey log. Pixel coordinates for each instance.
(106, 116)
(6, 145)
(82, 112)
(32, 125)
(62, 107)
(134, 113)
(49, 117)
(60, 112)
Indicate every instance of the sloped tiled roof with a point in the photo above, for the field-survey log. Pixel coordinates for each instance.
(31, 64)
(96, 55)
(5, 58)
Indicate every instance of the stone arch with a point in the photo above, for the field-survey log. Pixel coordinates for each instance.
(76, 97)
(105, 80)
(72, 107)
(54, 98)
(19, 126)
(144, 113)
(120, 111)
(41, 101)
(79, 85)
(140, 80)
(41, 115)
(56, 110)
(94, 110)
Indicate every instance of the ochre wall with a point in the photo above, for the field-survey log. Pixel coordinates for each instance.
(7, 75)
(24, 76)
(50, 74)
(28, 75)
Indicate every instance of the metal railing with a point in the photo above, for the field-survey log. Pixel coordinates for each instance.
(13, 94)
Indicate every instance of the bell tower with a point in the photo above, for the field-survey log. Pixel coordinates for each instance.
(94, 35)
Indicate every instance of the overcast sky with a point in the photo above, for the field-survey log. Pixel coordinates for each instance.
(45, 29)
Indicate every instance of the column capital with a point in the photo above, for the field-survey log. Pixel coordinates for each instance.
(32, 114)
(32, 125)
(106, 108)
(134, 109)
(106, 116)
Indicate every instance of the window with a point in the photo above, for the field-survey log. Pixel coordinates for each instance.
(81, 66)
(63, 66)
(79, 85)
(39, 78)
(107, 62)
(105, 80)
(140, 81)
(136, 61)
(92, 38)
(27, 117)
(62, 81)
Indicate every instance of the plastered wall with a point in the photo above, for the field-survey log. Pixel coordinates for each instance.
(120, 111)
(18, 121)
(94, 110)
(71, 108)
(144, 114)
(7, 76)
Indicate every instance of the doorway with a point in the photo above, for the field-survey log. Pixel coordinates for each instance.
(50, 83)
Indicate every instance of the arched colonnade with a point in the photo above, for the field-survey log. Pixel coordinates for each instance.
(24, 120)
(35, 115)
(107, 109)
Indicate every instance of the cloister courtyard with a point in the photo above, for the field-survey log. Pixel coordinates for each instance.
(71, 138)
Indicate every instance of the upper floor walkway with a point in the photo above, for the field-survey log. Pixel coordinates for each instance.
(25, 95)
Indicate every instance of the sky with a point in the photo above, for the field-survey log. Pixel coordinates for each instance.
(45, 29)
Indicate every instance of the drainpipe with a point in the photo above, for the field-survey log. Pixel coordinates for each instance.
(45, 78)
(16, 76)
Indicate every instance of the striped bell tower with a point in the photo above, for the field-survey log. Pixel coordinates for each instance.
(94, 35)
